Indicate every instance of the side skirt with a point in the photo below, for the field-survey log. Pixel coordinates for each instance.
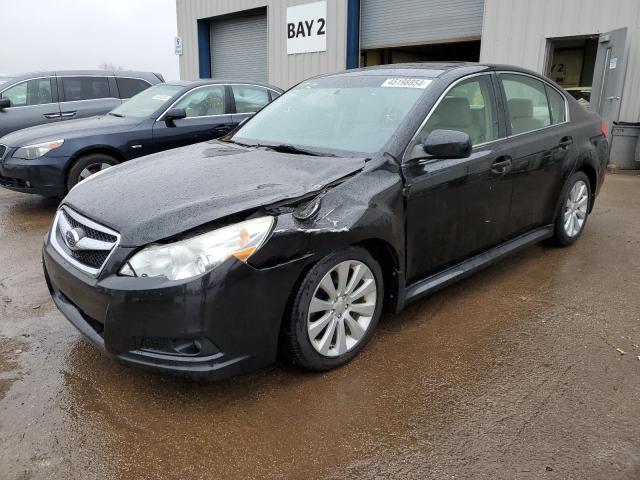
(475, 263)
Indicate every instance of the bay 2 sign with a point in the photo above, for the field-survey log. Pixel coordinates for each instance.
(307, 28)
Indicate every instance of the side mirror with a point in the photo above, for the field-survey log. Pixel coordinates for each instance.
(4, 103)
(174, 114)
(447, 144)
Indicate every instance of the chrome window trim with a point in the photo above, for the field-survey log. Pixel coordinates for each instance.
(193, 90)
(94, 272)
(28, 80)
(497, 72)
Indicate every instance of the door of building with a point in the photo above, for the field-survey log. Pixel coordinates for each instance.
(608, 75)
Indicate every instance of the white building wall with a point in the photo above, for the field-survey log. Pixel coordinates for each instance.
(284, 70)
(515, 32)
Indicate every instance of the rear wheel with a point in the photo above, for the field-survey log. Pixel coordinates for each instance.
(574, 209)
(335, 311)
(88, 165)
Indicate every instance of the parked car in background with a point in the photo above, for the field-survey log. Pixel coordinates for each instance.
(37, 98)
(352, 191)
(51, 159)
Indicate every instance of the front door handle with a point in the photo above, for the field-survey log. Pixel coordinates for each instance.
(68, 114)
(566, 142)
(501, 165)
(51, 115)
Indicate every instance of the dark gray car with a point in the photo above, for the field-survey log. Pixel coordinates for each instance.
(36, 98)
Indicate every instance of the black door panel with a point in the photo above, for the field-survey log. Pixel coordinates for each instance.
(455, 208)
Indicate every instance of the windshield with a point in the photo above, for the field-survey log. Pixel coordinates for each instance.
(146, 102)
(349, 114)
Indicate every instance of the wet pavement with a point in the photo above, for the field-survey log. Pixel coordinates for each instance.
(513, 373)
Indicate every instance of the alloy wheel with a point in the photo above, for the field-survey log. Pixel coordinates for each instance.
(341, 308)
(575, 208)
(91, 169)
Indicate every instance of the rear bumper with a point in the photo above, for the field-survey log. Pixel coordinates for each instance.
(42, 176)
(233, 313)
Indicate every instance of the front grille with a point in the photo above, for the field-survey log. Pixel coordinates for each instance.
(85, 243)
(93, 258)
(96, 234)
(3, 150)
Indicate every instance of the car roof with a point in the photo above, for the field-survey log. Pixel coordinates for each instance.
(219, 81)
(430, 69)
(78, 72)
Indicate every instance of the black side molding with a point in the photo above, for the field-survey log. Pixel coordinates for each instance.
(475, 263)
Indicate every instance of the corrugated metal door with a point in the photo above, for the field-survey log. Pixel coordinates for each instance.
(415, 22)
(239, 48)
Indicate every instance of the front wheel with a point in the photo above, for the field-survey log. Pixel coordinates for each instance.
(335, 311)
(88, 165)
(574, 209)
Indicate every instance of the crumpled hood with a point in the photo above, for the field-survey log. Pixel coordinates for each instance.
(69, 129)
(168, 193)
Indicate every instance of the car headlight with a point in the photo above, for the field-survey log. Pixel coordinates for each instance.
(200, 254)
(31, 152)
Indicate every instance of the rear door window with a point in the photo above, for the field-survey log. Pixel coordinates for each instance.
(85, 88)
(248, 98)
(31, 92)
(128, 87)
(527, 103)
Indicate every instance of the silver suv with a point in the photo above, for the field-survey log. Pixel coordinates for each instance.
(44, 97)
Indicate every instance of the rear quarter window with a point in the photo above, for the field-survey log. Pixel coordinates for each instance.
(128, 87)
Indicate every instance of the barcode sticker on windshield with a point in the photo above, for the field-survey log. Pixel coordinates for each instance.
(162, 98)
(407, 82)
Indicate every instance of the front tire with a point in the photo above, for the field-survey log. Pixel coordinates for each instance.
(335, 310)
(573, 210)
(88, 165)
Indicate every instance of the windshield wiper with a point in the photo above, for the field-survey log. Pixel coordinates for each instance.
(284, 148)
(116, 115)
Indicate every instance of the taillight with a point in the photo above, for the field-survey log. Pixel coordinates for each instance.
(603, 129)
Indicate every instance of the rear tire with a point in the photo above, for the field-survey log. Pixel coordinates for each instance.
(86, 166)
(573, 210)
(344, 292)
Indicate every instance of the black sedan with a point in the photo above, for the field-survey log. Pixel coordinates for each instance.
(352, 193)
(51, 159)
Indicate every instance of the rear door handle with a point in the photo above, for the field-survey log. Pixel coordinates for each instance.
(566, 142)
(68, 114)
(501, 165)
(51, 115)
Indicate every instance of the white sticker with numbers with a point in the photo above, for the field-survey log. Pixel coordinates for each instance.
(406, 82)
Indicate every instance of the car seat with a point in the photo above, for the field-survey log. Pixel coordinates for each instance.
(522, 119)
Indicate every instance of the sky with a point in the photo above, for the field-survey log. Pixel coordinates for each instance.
(83, 34)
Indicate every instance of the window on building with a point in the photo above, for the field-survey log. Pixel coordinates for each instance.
(249, 99)
(85, 88)
(468, 107)
(203, 101)
(557, 104)
(31, 92)
(128, 87)
(526, 103)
